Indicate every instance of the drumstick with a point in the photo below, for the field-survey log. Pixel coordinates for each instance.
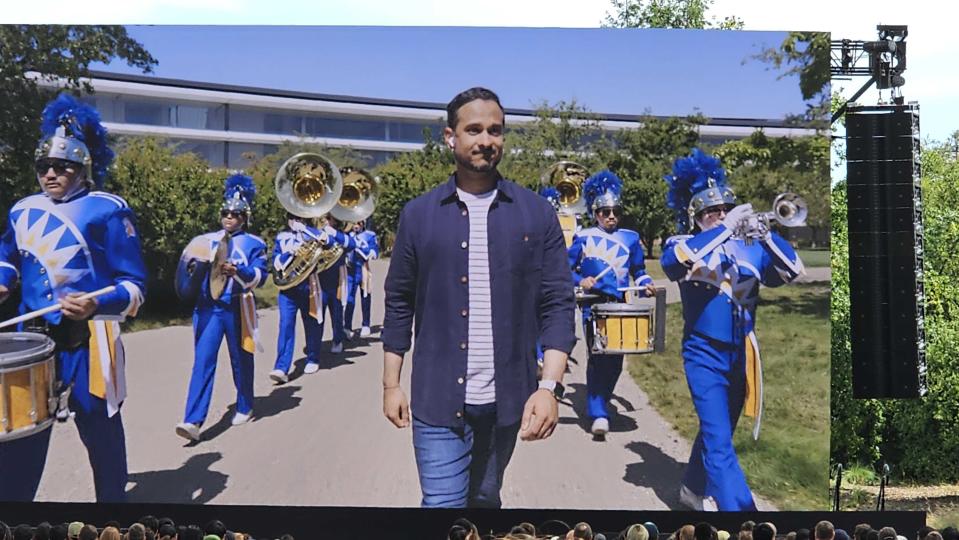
(603, 273)
(54, 307)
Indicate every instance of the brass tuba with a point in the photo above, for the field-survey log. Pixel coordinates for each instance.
(358, 198)
(308, 186)
(568, 178)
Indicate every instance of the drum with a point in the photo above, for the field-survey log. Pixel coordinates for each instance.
(583, 297)
(623, 328)
(27, 399)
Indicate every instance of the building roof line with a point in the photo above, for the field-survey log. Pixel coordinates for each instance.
(439, 107)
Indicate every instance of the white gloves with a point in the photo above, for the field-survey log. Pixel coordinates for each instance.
(736, 215)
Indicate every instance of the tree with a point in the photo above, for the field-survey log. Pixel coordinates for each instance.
(667, 14)
(642, 157)
(49, 52)
(806, 54)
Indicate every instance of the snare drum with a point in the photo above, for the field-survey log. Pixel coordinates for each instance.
(27, 399)
(623, 328)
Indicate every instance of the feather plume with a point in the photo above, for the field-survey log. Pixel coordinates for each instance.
(602, 182)
(82, 122)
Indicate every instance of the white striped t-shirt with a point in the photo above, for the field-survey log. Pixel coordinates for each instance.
(480, 376)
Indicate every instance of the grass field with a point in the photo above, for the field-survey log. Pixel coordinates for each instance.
(789, 463)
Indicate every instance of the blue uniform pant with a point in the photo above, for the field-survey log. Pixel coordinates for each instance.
(22, 461)
(716, 375)
(332, 304)
(290, 302)
(353, 281)
(210, 325)
(602, 372)
(460, 467)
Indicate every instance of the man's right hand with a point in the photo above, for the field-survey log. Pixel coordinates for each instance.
(396, 407)
(4, 293)
(587, 283)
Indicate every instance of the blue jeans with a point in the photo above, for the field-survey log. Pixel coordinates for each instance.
(460, 467)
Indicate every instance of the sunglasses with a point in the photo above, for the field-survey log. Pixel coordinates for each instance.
(606, 212)
(716, 210)
(231, 213)
(59, 166)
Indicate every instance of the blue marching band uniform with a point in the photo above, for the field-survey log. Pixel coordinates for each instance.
(359, 278)
(81, 241)
(613, 257)
(719, 275)
(309, 297)
(232, 315)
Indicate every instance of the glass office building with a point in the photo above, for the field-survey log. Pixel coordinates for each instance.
(230, 126)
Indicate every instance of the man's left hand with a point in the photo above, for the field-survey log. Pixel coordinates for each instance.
(650, 290)
(76, 309)
(539, 416)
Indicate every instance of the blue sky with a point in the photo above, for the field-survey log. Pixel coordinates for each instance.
(668, 72)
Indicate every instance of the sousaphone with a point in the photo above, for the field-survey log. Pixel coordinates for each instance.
(308, 186)
(358, 198)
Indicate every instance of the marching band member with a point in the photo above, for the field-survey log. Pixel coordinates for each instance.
(603, 258)
(304, 297)
(332, 284)
(359, 276)
(233, 314)
(719, 277)
(70, 239)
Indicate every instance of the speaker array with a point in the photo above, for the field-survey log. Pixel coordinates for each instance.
(885, 251)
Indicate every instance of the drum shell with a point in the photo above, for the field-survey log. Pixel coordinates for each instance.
(623, 328)
(27, 373)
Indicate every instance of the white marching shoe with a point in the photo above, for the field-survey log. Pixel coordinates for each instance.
(600, 427)
(694, 502)
(311, 367)
(240, 418)
(188, 431)
(279, 377)
(365, 331)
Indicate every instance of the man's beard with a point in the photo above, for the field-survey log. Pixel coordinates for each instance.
(488, 166)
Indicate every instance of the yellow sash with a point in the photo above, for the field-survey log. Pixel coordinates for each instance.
(367, 277)
(753, 407)
(568, 224)
(107, 364)
(316, 302)
(250, 340)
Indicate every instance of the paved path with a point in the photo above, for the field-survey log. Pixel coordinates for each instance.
(322, 440)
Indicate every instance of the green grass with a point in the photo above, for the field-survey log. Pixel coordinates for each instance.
(814, 258)
(789, 463)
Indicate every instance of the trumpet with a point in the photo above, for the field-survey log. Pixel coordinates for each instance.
(789, 210)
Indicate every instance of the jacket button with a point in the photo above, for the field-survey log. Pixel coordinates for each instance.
(463, 244)
(464, 212)
(526, 238)
(46, 282)
(463, 345)
(459, 414)
(43, 270)
(49, 296)
(460, 380)
(695, 284)
(464, 312)
(463, 279)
